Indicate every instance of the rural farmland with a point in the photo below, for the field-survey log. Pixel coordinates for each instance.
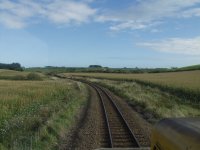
(42, 110)
(99, 75)
(176, 93)
(187, 79)
(34, 113)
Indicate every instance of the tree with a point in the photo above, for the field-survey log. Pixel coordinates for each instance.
(13, 66)
(95, 66)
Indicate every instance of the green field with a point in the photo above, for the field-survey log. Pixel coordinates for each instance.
(20, 75)
(185, 85)
(4, 72)
(156, 95)
(37, 111)
(37, 114)
(153, 103)
(186, 79)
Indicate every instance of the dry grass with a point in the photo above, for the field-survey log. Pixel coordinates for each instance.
(4, 72)
(160, 95)
(185, 85)
(187, 79)
(18, 95)
(34, 113)
(152, 102)
(16, 75)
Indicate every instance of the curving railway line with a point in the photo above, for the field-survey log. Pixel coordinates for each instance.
(118, 133)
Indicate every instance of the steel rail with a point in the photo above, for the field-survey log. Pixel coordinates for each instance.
(124, 120)
(104, 110)
(106, 116)
(98, 89)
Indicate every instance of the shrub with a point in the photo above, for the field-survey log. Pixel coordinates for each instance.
(33, 76)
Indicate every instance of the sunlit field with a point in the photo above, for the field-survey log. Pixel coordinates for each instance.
(186, 79)
(185, 85)
(156, 95)
(4, 72)
(35, 114)
(19, 75)
(153, 103)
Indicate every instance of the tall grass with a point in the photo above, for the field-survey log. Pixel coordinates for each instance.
(186, 79)
(19, 75)
(153, 103)
(185, 85)
(34, 114)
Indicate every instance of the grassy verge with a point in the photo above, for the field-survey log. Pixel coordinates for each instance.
(152, 103)
(185, 85)
(36, 114)
(186, 95)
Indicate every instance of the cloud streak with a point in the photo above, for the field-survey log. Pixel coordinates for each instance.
(19, 14)
(141, 15)
(147, 12)
(189, 46)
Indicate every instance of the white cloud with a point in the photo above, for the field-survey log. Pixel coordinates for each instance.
(145, 12)
(155, 31)
(128, 24)
(11, 21)
(189, 46)
(66, 12)
(191, 12)
(18, 14)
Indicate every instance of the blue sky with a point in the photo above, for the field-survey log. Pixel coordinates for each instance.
(113, 33)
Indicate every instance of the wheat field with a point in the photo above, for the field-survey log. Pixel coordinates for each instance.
(29, 108)
(187, 79)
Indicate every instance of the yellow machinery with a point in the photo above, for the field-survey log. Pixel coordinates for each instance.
(176, 134)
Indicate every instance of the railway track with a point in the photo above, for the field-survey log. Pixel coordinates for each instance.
(115, 130)
(119, 134)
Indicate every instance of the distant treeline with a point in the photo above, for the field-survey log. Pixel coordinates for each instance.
(100, 69)
(13, 66)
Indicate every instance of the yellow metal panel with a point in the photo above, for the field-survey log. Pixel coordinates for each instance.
(177, 134)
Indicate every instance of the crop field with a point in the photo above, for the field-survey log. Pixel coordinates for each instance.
(153, 103)
(9, 73)
(156, 95)
(38, 111)
(185, 85)
(187, 79)
(37, 114)
(18, 75)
